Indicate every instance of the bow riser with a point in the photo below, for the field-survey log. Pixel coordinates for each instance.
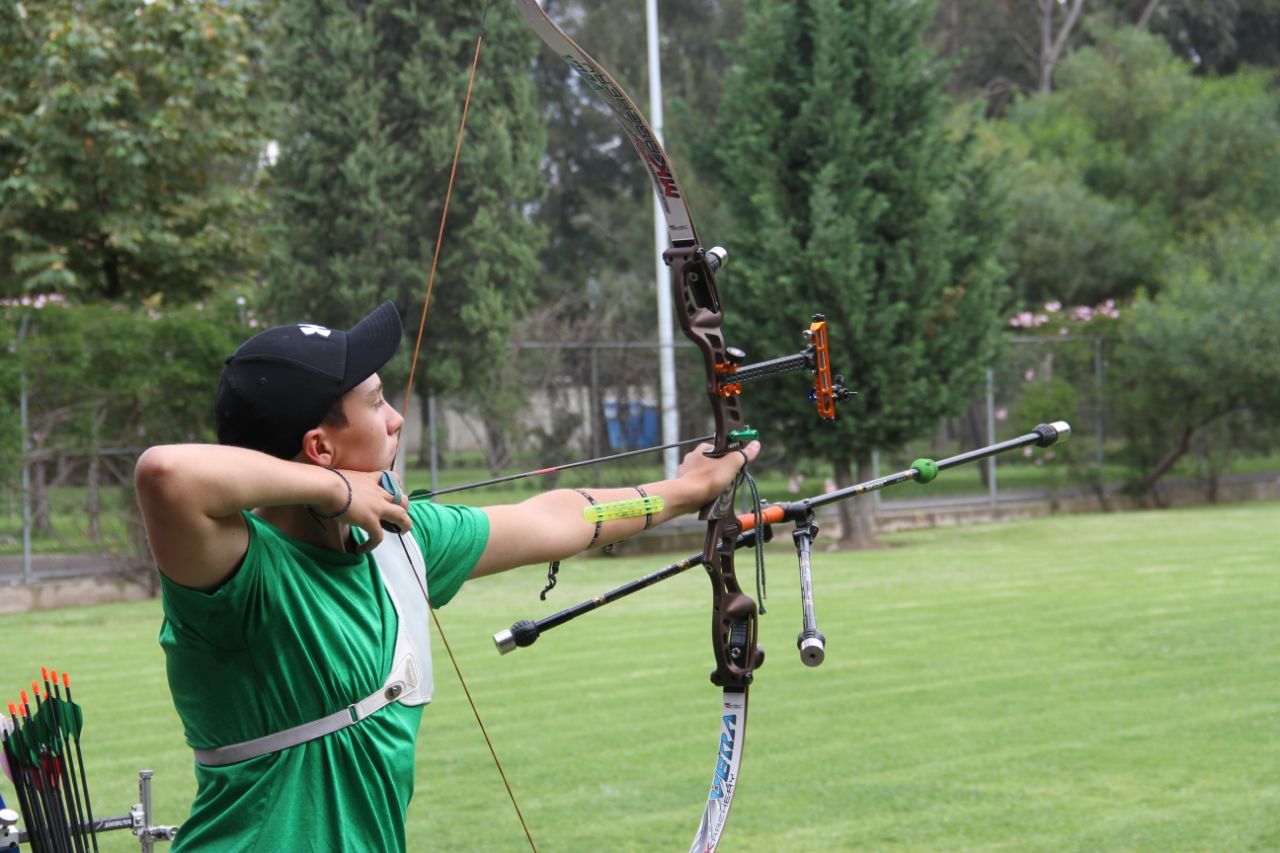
(694, 290)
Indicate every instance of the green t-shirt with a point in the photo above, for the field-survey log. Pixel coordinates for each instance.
(298, 633)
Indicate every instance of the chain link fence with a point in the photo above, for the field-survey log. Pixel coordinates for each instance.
(71, 510)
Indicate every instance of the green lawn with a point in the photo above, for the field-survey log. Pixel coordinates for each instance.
(1103, 682)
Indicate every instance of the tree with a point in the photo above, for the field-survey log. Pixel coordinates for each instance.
(1132, 154)
(851, 196)
(1006, 48)
(374, 93)
(1201, 353)
(105, 376)
(129, 138)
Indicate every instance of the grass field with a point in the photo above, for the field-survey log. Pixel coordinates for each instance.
(1104, 682)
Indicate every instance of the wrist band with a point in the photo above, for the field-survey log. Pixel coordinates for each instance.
(648, 516)
(345, 506)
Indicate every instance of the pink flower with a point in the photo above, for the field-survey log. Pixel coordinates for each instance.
(1029, 374)
(1053, 306)
(1001, 414)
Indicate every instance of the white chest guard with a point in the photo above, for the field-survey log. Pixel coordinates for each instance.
(402, 569)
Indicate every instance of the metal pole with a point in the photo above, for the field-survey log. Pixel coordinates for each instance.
(433, 449)
(144, 794)
(26, 450)
(1099, 429)
(596, 411)
(991, 436)
(661, 273)
(875, 475)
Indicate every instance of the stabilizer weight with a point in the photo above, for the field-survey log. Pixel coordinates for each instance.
(522, 634)
(1050, 433)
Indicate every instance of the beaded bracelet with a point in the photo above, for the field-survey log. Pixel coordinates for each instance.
(345, 506)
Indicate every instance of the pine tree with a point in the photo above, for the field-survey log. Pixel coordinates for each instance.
(373, 93)
(852, 197)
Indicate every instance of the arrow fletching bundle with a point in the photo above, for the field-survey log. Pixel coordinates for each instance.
(41, 748)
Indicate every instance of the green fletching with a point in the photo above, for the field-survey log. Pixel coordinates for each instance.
(42, 729)
(70, 718)
(24, 749)
(926, 470)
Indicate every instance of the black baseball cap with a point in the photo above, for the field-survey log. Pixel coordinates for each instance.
(284, 381)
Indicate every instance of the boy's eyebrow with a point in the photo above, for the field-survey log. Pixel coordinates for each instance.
(375, 392)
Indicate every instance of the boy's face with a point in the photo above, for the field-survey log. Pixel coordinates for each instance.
(371, 436)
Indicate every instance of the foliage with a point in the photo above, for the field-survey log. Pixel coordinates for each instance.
(851, 196)
(129, 137)
(1000, 53)
(373, 96)
(1132, 154)
(1071, 243)
(1202, 350)
(154, 375)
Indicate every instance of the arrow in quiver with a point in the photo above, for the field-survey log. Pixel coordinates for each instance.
(43, 760)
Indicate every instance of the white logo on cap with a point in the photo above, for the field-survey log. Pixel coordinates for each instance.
(310, 329)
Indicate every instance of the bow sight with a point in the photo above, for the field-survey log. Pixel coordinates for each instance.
(815, 357)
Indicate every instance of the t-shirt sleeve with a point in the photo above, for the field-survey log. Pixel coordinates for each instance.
(217, 619)
(452, 538)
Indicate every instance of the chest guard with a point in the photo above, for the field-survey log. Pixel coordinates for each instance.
(403, 573)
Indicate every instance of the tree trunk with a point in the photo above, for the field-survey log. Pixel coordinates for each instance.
(496, 450)
(1053, 44)
(424, 437)
(94, 505)
(41, 517)
(857, 515)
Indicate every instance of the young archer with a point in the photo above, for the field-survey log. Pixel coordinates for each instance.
(295, 626)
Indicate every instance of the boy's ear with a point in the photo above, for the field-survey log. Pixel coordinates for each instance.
(316, 447)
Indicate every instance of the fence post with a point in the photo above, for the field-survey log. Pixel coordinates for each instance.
(433, 451)
(26, 462)
(1099, 428)
(991, 437)
(596, 410)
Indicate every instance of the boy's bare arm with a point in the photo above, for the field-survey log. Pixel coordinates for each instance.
(550, 526)
(192, 496)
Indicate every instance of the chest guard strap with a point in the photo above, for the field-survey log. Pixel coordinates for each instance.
(410, 680)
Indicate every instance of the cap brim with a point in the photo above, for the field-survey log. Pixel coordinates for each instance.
(370, 344)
